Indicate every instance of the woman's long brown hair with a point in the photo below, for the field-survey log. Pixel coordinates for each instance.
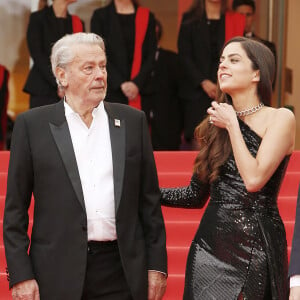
(214, 142)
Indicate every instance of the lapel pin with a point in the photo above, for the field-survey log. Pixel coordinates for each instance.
(117, 123)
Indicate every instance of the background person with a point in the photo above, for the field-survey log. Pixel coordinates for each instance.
(98, 230)
(161, 98)
(45, 27)
(203, 30)
(240, 248)
(129, 33)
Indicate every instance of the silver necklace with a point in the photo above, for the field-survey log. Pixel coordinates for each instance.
(249, 111)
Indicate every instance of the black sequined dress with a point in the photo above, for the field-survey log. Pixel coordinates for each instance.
(240, 247)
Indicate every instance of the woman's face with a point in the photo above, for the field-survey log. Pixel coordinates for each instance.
(235, 71)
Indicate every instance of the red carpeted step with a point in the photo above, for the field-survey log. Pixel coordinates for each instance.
(290, 184)
(287, 207)
(177, 259)
(289, 229)
(2, 204)
(173, 161)
(175, 285)
(174, 179)
(182, 214)
(2, 260)
(294, 162)
(180, 234)
(4, 160)
(5, 293)
(3, 182)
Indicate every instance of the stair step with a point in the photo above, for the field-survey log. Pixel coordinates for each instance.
(5, 293)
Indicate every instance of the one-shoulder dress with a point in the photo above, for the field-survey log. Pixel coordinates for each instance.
(240, 247)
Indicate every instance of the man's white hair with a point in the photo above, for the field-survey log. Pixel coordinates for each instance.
(63, 53)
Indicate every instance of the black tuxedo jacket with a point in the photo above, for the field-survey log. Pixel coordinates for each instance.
(43, 162)
(44, 29)
(294, 268)
(105, 23)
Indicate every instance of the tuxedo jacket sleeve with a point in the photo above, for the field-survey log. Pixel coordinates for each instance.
(294, 268)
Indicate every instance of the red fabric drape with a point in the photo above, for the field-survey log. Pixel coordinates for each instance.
(76, 24)
(141, 24)
(234, 25)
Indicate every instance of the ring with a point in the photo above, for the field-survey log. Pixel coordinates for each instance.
(210, 121)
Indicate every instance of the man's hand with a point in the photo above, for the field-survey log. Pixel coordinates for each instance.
(26, 290)
(295, 293)
(157, 283)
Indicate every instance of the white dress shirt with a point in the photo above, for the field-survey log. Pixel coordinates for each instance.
(295, 281)
(93, 154)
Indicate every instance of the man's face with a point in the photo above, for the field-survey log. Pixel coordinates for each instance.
(86, 77)
(248, 12)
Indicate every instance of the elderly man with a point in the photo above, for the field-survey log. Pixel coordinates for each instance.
(98, 231)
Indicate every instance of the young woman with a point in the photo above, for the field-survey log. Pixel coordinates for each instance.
(240, 249)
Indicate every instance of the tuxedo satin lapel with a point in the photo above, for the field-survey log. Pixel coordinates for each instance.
(63, 141)
(117, 131)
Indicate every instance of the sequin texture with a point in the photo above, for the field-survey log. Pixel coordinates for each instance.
(240, 249)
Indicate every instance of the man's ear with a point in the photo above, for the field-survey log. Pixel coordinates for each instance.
(61, 76)
(256, 76)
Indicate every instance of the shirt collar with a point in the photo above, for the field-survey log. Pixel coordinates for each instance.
(96, 111)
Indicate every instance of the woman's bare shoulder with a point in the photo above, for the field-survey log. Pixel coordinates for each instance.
(282, 114)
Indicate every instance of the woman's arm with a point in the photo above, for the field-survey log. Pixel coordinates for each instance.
(193, 196)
